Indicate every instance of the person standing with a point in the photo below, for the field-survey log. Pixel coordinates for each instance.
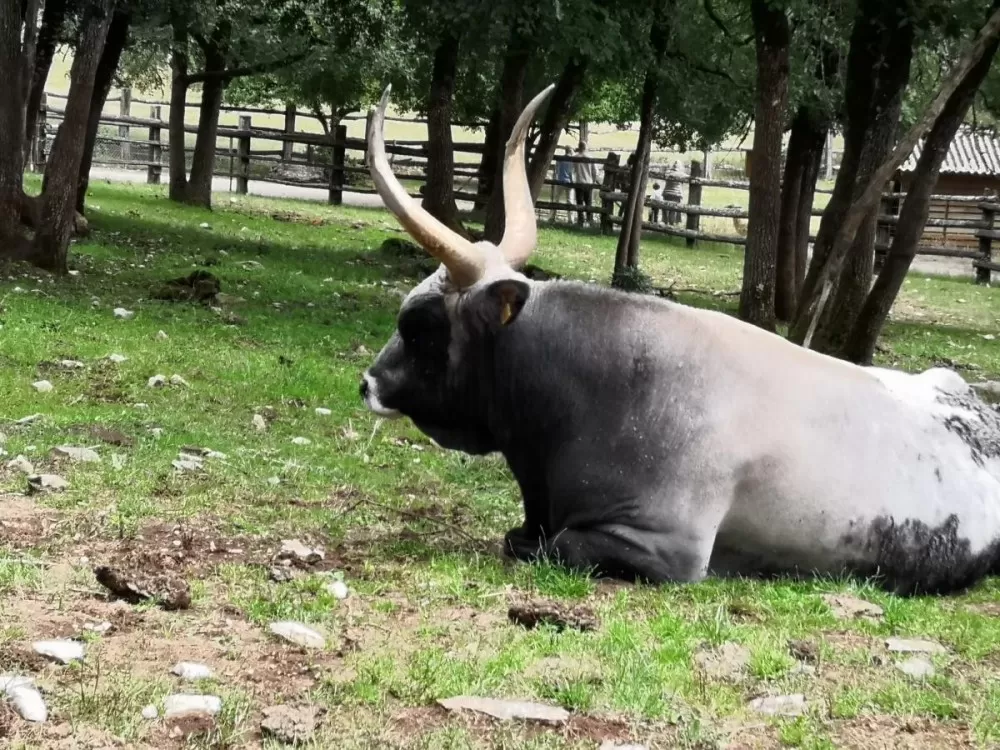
(561, 190)
(584, 176)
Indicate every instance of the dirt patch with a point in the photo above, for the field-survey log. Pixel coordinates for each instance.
(899, 733)
(535, 612)
(23, 523)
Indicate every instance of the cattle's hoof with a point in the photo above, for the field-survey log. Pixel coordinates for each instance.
(521, 546)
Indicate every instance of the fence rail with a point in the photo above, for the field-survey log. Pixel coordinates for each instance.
(338, 163)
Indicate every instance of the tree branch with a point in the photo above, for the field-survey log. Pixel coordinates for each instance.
(247, 70)
(715, 17)
(678, 55)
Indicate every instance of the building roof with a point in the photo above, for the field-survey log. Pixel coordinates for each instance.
(970, 153)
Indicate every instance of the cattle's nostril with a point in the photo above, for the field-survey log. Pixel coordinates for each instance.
(363, 388)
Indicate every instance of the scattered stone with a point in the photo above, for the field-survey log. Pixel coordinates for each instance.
(98, 627)
(301, 441)
(274, 481)
(157, 381)
(180, 704)
(122, 314)
(28, 702)
(28, 420)
(149, 713)
(323, 412)
(506, 710)
(111, 437)
(42, 386)
(726, 662)
(251, 265)
(140, 406)
(205, 225)
(533, 613)
(61, 650)
(171, 593)
(117, 461)
(189, 670)
(337, 589)
(46, 483)
(259, 423)
(296, 551)
(914, 645)
(916, 667)
(71, 364)
(161, 336)
(297, 633)
(288, 724)
(178, 380)
(21, 464)
(75, 453)
(187, 463)
(846, 607)
(156, 432)
(801, 668)
(283, 573)
(807, 651)
(779, 705)
(117, 358)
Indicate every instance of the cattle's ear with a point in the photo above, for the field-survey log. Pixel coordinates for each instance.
(499, 304)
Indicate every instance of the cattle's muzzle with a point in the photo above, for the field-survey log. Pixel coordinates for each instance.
(369, 394)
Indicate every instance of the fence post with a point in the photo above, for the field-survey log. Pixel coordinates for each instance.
(124, 131)
(336, 196)
(243, 151)
(288, 147)
(883, 232)
(608, 184)
(983, 273)
(694, 199)
(368, 130)
(38, 137)
(154, 170)
(828, 156)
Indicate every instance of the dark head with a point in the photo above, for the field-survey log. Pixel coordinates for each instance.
(427, 371)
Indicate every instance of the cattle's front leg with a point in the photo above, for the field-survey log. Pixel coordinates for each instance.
(616, 553)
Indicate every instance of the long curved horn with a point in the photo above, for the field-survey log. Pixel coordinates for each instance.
(464, 261)
(520, 234)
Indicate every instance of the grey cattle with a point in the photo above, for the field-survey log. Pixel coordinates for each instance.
(654, 441)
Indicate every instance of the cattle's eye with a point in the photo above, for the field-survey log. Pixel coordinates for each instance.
(416, 325)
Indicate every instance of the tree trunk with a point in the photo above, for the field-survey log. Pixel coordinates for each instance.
(11, 121)
(439, 191)
(106, 69)
(772, 36)
(805, 148)
(199, 187)
(178, 111)
(627, 250)
(488, 162)
(53, 19)
(515, 68)
(860, 344)
(57, 206)
(557, 116)
(878, 65)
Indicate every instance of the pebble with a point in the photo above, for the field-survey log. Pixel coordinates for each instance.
(22, 464)
(117, 358)
(61, 650)
(297, 633)
(117, 461)
(75, 453)
(149, 713)
(780, 705)
(42, 386)
(507, 710)
(156, 432)
(174, 705)
(99, 627)
(178, 380)
(274, 481)
(28, 419)
(205, 225)
(122, 314)
(338, 589)
(28, 702)
(846, 607)
(301, 440)
(189, 670)
(186, 464)
(293, 549)
(914, 645)
(916, 667)
(323, 412)
(71, 364)
(289, 724)
(259, 423)
(161, 336)
(140, 406)
(46, 483)
(157, 381)
(803, 669)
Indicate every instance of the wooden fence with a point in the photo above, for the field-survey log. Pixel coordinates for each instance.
(325, 164)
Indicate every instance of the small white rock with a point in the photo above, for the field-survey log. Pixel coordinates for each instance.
(186, 464)
(29, 419)
(259, 423)
(156, 432)
(301, 440)
(323, 412)
(140, 406)
(98, 627)
(149, 713)
(71, 364)
(178, 380)
(75, 453)
(189, 670)
(61, 650)
(157, 381)
(42, 386)
(914, 645)
(205, 225)
(117, 461)
(916, 667)
(117, 358)
(21, 464)
(274, 481)
(174, 705)
(162, 335)
(338, 589)
(297, 633)
(122, 314)
(46, 483)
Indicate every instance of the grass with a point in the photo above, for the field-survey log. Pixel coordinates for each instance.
(412, 529)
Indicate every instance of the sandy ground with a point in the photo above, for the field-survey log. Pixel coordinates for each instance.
(926, 264)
